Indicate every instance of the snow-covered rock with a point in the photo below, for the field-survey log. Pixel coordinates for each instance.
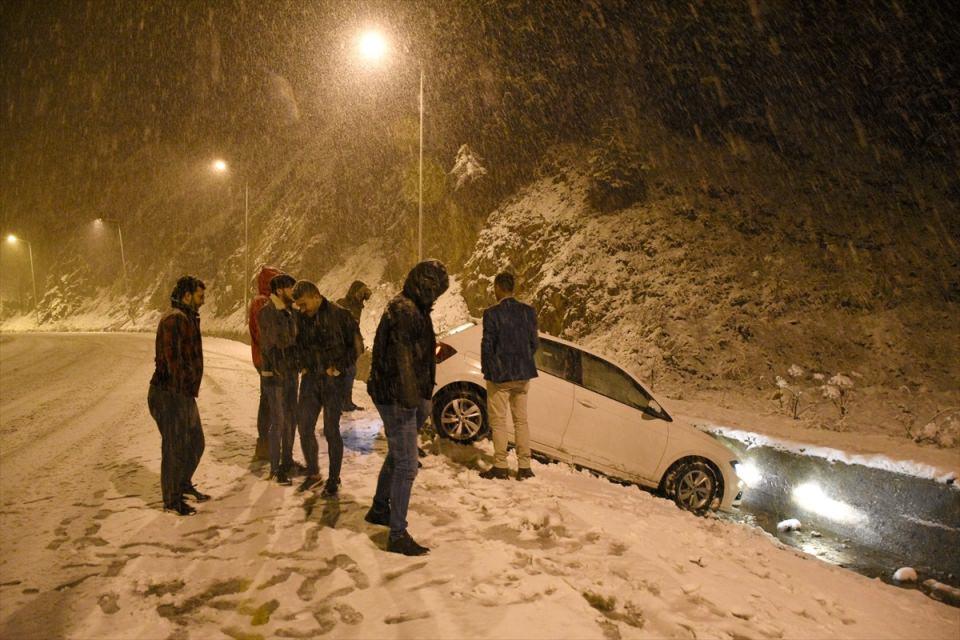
(905, 574)
(791, 524)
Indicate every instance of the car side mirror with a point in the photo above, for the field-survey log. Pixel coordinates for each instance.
(654, 411)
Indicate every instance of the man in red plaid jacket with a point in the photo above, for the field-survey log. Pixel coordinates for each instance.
(173, 394)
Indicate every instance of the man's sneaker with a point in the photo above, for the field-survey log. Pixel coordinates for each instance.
(181, 508)
(421, 453)
(406, 545)
(192, 491)
(310, 483)
(378, 515)
(524, 474)
(282, 478)
(296, 469)
(495, 473)
(331, 489)
(353, 407)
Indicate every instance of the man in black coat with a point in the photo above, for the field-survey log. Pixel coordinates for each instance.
(402, 377)
(327, 341)
(279, 372)
(506, 359)
(356, 297)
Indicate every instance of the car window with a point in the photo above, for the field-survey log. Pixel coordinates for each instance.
(558, 360)
(602, 377)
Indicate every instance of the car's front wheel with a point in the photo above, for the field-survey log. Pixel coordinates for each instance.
(694, 486)
(460, 414)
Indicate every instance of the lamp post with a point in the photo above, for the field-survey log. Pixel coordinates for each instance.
(220, 166)
(123, 259)
(12, 239)
(373, 47)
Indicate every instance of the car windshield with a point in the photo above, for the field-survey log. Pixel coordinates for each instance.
(604, 378)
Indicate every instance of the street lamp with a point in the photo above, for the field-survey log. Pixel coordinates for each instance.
(12, 239)
(123, 259)
(220, 166)
(373, 47)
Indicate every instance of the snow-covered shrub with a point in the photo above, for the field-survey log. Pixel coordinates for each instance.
(616, 172)
(838, 390)
(943, 430)
(467, 167)
(788, 396)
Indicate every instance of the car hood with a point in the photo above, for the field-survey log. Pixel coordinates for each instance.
(681, 428)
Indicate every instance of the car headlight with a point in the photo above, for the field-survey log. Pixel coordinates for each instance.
(748, 472)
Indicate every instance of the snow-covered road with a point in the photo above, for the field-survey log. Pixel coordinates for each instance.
(86, 552)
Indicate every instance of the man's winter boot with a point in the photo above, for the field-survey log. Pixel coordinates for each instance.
(524, 474)
(406, 545)
(495, 473)
(378, 515)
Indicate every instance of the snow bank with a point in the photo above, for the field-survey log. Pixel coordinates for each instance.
(883, 462)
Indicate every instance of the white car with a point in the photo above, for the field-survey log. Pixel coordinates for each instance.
(587, 411)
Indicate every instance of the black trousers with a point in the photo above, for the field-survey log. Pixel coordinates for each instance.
(281, 395)
(181, 433)
(309, 404)
(335, 390)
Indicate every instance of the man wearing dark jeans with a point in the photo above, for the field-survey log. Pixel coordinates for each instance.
(260, 300)
(327, 342)
(402, 377)
(173, 392)
(278, 334)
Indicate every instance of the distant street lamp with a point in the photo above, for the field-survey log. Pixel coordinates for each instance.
(12, 239)
(374, 47)
(123, 259)
(220, 166)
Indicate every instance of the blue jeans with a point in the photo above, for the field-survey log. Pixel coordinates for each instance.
(282, 401)
(400, 466)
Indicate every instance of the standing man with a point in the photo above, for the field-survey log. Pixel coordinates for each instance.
(356, 297)
(326, 339)
(263, 413)
(506, 358)
(172, 398)
(402, 377)
(279, 373)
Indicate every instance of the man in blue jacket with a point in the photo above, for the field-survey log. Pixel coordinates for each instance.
(506, 358)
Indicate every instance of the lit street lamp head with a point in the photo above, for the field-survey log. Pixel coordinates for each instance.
(12, 239)
(373, 46)
(220, 166)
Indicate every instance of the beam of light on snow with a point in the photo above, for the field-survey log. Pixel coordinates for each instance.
(749, 473)
(373, 46)
(812, 498)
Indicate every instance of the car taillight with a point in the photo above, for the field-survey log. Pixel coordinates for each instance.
(443, 351)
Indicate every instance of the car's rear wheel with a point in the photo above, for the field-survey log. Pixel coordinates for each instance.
(694, 486)
(460, 414)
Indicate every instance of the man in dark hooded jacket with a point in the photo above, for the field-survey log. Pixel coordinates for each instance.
(263, 413)
(172, 398)
(401, 383)
(356, 297)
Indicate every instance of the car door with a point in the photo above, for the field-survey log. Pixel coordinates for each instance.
(608, 425)
(550, 399)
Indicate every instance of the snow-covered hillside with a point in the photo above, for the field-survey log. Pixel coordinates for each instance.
(721, 281)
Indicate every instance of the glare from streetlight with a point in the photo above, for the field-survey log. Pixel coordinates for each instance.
(220, 166)
(12, 239)
(98, 222)
(373, 46)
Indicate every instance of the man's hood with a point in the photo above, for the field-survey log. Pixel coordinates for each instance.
(358, 291)
(426, 282)
(263, 280)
